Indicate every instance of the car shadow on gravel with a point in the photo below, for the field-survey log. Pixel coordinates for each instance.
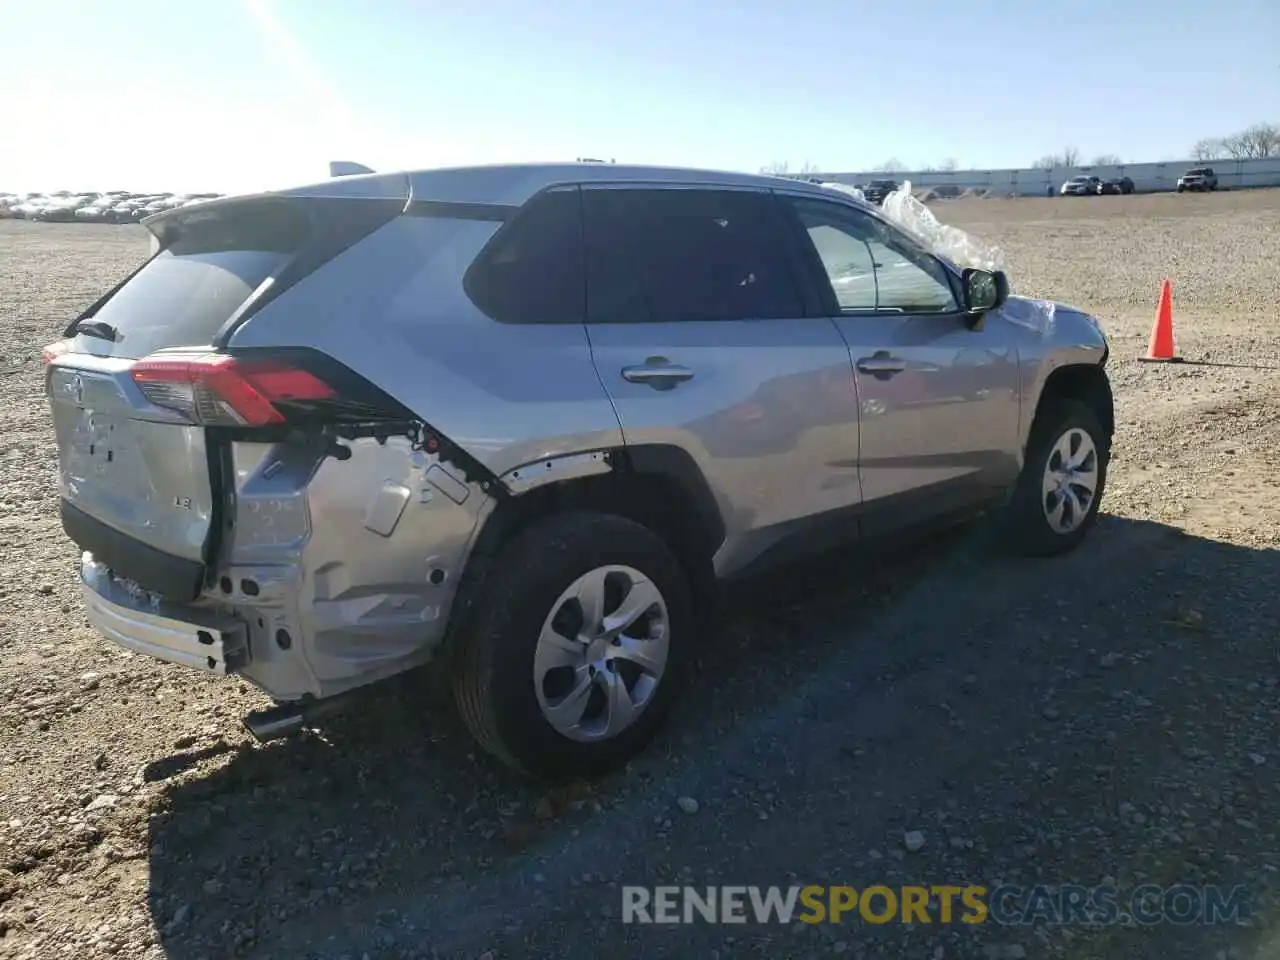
(844, 703)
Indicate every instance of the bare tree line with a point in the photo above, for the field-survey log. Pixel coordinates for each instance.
(1070, 157)
(780, 168)
(1258, 142)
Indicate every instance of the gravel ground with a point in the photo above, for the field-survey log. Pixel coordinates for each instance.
(1106, 717)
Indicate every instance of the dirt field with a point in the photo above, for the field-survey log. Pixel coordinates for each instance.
(1111, 717)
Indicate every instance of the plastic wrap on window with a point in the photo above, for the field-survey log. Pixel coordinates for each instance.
(962, 249)
(848, 188)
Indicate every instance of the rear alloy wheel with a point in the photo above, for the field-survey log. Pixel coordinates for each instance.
(578, 648)
(1057, 496)
(601, 653)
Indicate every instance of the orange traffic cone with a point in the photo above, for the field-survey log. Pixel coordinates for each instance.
(1160, 349)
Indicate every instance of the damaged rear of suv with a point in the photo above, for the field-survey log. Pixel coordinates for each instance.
(239, 494)
(525, 418)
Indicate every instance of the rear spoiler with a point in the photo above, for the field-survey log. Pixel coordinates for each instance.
(345, 168)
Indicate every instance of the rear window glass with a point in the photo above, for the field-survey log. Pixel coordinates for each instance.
(212, 263)
(181, 300)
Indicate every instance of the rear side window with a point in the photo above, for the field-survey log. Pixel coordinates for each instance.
(532, 270)
(662, 256)
(211, 264)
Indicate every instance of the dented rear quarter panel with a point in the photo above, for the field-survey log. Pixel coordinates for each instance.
(356, 561)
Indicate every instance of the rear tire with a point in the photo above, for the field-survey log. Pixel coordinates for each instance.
(1055, 501)
(539, 658)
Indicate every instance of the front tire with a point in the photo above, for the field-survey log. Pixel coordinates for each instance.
(1056, 499)
(578, 648)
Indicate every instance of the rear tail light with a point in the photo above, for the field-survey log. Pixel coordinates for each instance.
(54, 350)
(216, 389)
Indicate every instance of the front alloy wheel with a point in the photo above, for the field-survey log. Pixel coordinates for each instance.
(1055, 501)
(1070, 481)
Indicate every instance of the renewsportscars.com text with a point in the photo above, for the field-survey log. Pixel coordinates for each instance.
(939, 903)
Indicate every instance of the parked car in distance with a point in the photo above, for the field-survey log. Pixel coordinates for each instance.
(25, 210)
(64, 209)
(323, 481)
(121, 211)
(1198, 178)
(1083, 186)
(97, 211)
(877, 190)
(1116, 185)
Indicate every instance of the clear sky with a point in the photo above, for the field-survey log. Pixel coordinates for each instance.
(238, 95)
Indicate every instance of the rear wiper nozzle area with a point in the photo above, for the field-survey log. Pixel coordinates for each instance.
(97, 328)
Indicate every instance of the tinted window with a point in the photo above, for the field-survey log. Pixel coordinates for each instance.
(662, 256)
(893, 275)
(213, 262)
(532, 270)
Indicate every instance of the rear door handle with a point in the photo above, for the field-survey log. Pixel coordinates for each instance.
(881, 363)
(657, 372)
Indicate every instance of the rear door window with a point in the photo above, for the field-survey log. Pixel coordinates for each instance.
(672, 255)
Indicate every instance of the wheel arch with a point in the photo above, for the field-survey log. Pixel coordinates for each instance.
(1085, 382)
(656, 485)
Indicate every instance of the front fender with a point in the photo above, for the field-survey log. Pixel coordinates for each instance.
(1051, 336)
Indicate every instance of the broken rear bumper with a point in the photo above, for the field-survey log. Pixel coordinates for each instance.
(200, 639)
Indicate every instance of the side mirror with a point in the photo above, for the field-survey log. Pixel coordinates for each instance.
(984, 290)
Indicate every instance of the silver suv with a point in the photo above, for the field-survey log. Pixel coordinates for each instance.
(525, 420)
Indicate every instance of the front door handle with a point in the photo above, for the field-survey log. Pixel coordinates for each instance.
(658, 372)
(880, 363)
